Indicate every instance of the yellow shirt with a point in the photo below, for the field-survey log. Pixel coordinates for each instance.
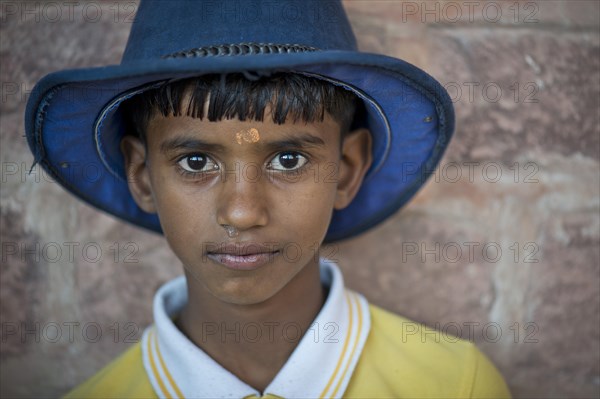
(393, 364)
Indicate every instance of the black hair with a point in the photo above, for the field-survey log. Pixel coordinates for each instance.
(288, 95)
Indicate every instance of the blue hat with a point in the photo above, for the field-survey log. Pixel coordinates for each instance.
(74, 123)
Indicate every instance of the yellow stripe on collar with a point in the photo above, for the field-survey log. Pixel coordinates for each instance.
(166, 371)
(161, 384)
(344, 349)
(356, 339)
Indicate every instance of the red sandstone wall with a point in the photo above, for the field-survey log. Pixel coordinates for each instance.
(525, 79)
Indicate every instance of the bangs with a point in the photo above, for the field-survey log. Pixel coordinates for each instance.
(287, 97)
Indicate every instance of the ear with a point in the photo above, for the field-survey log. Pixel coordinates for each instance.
(138, 176)
(355, 161)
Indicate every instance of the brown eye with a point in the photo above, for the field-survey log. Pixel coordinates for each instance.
(286, 161)
(197, 163)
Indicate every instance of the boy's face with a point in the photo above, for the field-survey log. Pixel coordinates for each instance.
(274, 187)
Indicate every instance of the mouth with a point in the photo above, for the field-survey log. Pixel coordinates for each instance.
(246, 256)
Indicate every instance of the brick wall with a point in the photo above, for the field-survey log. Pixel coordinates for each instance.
(501, 246)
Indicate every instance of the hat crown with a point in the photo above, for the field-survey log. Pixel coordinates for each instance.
(162, 28)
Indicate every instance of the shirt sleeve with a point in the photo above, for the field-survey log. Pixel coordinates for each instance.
(125, 377)
(486, 381)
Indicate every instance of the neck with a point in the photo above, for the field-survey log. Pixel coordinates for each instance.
(253, 341)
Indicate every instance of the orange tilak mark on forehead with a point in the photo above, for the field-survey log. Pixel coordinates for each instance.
(249, 136)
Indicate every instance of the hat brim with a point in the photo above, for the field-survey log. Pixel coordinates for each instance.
(410, 117)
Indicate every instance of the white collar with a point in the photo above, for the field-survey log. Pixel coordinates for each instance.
(320, 366)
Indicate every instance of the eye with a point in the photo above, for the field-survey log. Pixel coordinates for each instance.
(286, 161)
(197, 163)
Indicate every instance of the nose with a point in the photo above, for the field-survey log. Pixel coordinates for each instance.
(243, 203)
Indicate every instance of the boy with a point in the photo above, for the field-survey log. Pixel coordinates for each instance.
(248, 144)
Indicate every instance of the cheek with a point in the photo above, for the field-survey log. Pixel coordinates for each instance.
(308, 209)
(184, 218)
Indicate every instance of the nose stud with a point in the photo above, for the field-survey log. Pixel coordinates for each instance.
(231, 231)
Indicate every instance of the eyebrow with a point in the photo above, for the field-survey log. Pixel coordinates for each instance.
(185, 143)
(304, 140)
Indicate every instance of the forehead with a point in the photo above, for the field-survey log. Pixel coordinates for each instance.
(164, 132)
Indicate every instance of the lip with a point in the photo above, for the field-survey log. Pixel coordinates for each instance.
(243, 256)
